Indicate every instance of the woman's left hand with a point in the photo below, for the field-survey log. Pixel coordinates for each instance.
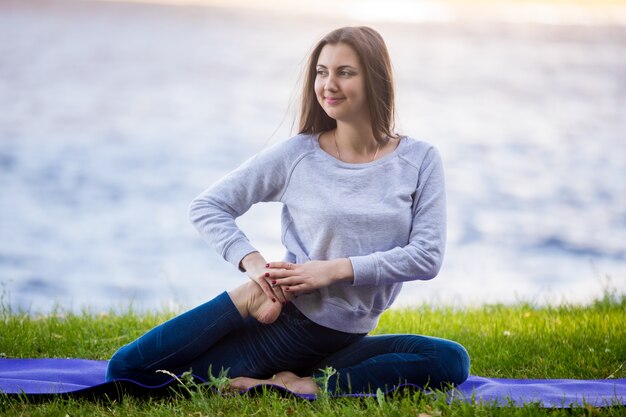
(302, 278)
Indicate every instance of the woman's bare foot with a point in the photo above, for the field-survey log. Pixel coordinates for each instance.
(285, 379)
(251, 301)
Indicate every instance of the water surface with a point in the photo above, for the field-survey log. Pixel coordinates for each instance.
(115, 116)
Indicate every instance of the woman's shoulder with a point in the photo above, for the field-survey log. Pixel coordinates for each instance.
(417, 151)
(296, 145)
(303, 142)
(285, 153)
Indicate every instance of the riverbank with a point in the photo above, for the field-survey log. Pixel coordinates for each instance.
(519, 341)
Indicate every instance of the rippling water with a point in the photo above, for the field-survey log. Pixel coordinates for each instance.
(114, 116)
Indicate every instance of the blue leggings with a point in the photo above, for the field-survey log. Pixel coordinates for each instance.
(214, 337)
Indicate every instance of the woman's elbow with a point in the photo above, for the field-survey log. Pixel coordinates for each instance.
(194, 209)
(199, 210)
(431, 266)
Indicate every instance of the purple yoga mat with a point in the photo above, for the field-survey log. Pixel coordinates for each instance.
(64, 376)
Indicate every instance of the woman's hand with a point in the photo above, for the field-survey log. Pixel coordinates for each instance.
(257, 269)
(296, 279)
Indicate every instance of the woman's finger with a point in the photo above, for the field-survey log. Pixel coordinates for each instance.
(285, 294)
(276, 296)
(278, 285)
(267, 290)
(281, 265)
(275, 289)
(280, 273)
(293, 291)
(286, 281)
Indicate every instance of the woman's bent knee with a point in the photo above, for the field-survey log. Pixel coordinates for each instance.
(114, 371)
(117, 367)
(457, 362)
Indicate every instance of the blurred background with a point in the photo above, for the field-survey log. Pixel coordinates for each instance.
(114, 115)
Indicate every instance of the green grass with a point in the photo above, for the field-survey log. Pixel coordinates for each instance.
(520, 341)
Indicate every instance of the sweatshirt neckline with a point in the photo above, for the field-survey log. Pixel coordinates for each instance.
(381, 160)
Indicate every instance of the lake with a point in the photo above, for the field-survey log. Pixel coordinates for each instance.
(116, 115)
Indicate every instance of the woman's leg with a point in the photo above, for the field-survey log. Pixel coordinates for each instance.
(215, 336)
(176, 343)
(390, 360)
(380, 362)
(258, 351)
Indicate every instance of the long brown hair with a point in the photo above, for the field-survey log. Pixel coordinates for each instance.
(372, 52)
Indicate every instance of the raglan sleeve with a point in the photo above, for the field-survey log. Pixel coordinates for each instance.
(422, 257)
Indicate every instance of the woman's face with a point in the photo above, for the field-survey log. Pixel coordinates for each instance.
(340, 84)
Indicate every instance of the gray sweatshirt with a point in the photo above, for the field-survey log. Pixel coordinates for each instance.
(387, 216)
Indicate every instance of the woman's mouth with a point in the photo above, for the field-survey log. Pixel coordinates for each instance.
(333, 100)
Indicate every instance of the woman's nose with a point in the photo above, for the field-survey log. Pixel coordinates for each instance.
(330, 84)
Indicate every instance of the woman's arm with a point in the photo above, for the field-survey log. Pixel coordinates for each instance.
(214, 212)
(420, 258)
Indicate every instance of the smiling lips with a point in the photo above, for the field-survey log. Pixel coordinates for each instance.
(333, 100)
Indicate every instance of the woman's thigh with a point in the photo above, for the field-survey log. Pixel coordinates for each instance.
(386, 360)
(258, 350)
(371, 346)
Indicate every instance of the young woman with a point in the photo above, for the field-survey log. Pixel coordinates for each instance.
(363, 211)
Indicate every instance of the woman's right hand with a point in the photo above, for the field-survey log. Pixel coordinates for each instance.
(257, 269)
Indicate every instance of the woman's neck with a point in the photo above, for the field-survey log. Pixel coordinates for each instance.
(355, 143)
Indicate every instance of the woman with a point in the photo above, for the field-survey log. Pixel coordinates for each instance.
(363, 211)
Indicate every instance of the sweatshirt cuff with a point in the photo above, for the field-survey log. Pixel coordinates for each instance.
(365, 270)
(237, 251)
